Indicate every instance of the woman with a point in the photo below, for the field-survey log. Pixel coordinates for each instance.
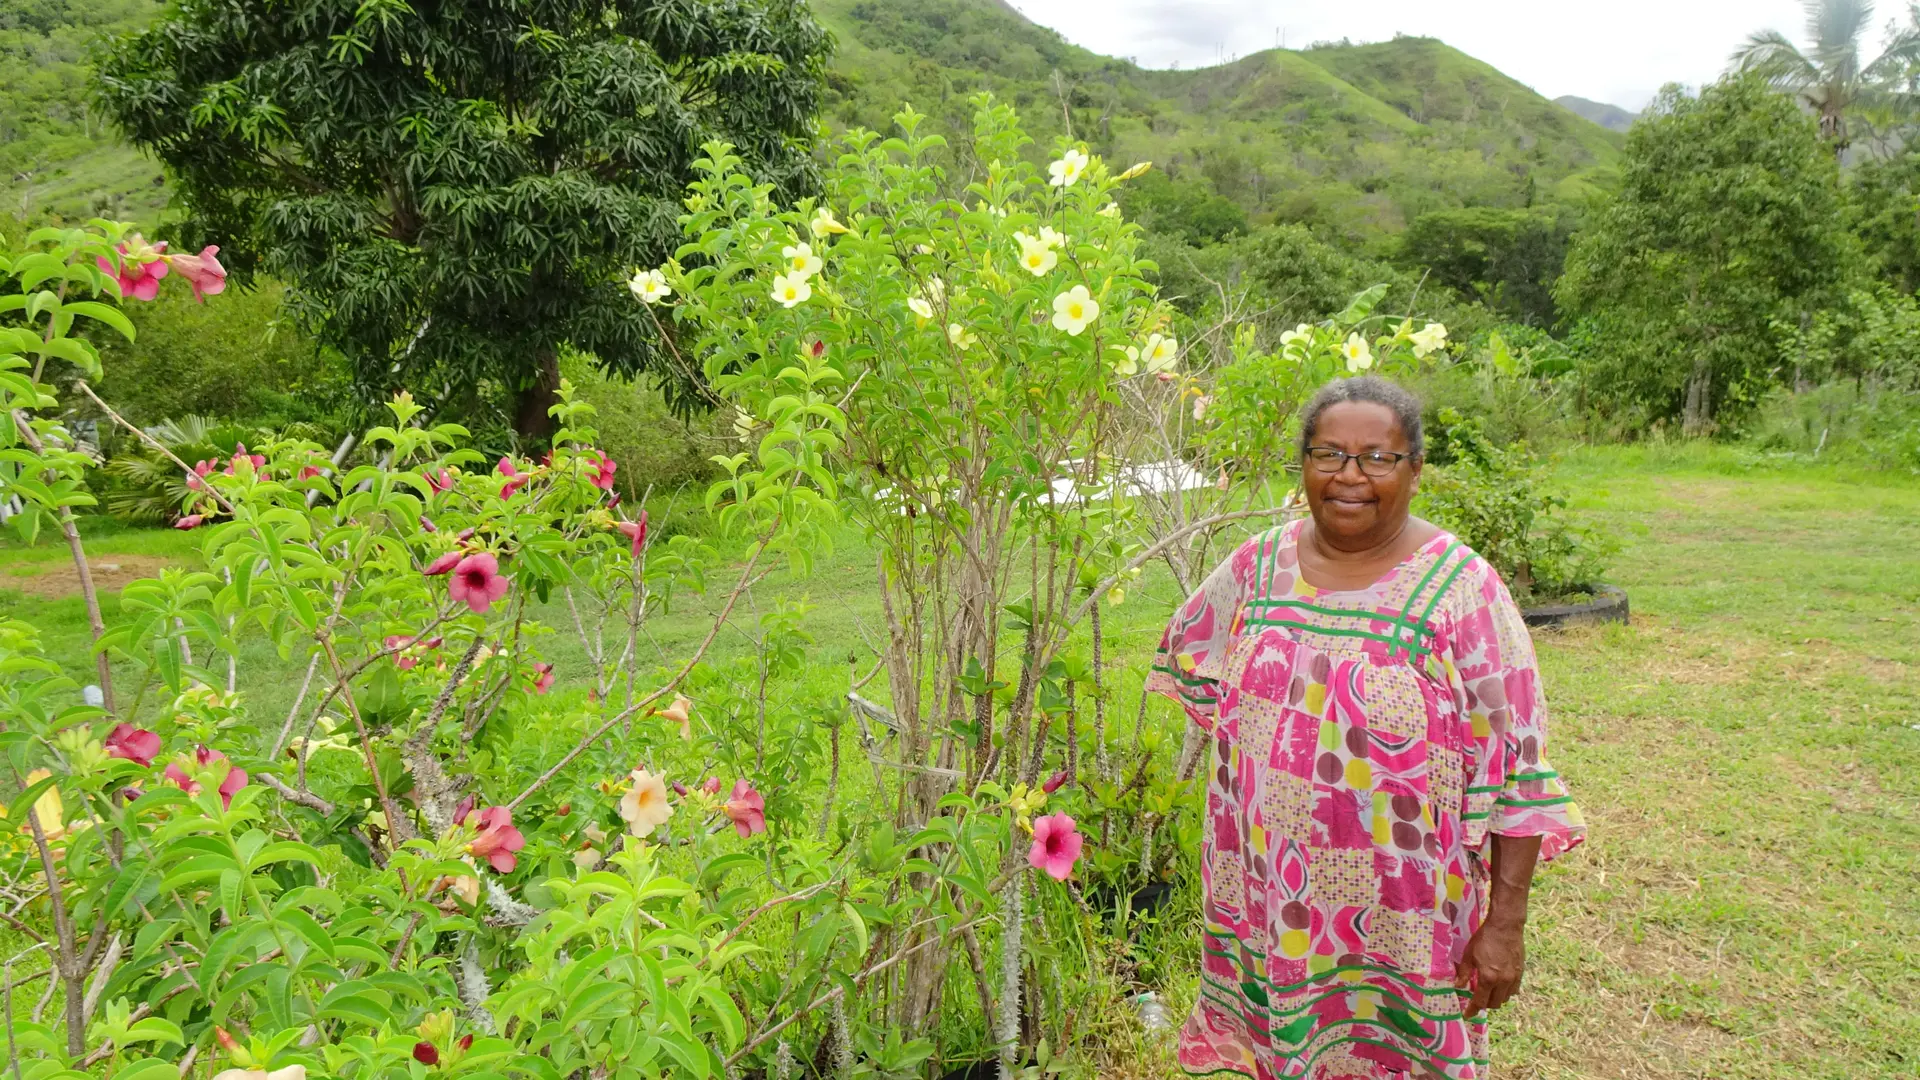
(1380, 790)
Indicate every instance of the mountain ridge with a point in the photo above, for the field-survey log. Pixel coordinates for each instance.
(1354, 139)
(1611, 117)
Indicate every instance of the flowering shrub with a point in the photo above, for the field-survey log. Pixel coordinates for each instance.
(444, 857)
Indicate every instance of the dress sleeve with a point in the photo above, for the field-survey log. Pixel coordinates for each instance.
(1193, 653)
(1508, 711)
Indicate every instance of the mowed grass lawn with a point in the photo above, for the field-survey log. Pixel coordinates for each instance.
(1748, 904)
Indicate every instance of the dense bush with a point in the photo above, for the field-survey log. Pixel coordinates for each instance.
(1862, 423)
(1517, 382)
(239, 361)
(1507, 259)
(1497, 499)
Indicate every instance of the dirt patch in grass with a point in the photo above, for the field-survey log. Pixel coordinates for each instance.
(58, 580)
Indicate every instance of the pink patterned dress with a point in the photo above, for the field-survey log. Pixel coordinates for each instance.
(1365, 744)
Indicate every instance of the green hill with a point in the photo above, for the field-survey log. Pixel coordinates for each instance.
(1355, 139)
(55, 155)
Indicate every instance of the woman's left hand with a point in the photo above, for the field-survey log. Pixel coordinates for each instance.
(1495, 957)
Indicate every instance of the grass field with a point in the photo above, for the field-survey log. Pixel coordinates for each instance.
(1747, 752)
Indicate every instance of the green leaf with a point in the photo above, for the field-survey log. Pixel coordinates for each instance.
(583, 1004)
(105, 313)
(149, 1069)
(355, 1008)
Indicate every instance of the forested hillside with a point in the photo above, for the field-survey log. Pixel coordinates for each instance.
(55, 152)
(1357, 140)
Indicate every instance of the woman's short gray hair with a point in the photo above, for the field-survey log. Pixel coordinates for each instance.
(1374, 390)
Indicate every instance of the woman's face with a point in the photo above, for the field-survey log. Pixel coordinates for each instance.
(1350, 508)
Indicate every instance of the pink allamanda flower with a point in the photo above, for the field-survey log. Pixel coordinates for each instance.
(498, 839)
(747, 809)
(142, 265)
(1056, 781)
(133, 744)
(197, 479)
(191, 521)
(1056, 846)
(603, 470)
(203, 272)
(230, 784)
(635, 531)
(444, 563)
(515, 479)
(543, 677)
(477, 582)
(401, 647)
(441, 479)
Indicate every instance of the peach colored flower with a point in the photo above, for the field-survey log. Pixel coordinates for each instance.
(645, 806)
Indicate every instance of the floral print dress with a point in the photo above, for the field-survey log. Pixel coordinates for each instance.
(1365, 744)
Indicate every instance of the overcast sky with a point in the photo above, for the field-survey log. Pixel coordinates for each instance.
(1617, 51)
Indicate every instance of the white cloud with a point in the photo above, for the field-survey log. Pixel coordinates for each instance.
(1619, 51)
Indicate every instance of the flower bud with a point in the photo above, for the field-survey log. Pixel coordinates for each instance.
(425, 1054)
(1055, 782)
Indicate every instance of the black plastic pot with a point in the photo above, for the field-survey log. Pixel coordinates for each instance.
(1146, 900)
(1609, 604)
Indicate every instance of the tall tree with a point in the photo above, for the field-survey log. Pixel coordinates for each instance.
(455, 190)
(1830, 76)
(1728, 218)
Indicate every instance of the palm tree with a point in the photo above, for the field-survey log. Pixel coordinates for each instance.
(1830, 77)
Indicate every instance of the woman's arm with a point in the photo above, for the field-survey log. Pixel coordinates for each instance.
(1496, 956)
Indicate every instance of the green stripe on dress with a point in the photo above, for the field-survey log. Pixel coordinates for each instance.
(1332, 632)
(1555, 801)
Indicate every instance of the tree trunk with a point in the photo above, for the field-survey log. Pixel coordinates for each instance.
(530, 419)
(1697, 419)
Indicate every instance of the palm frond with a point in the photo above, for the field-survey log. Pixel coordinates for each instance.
(1897, 61)
(1774, 58)
(1837, 23)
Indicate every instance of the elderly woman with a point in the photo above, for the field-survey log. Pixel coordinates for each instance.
(1380, 791)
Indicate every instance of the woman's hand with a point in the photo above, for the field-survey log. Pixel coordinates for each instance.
(1496, 957)
(1497, 953)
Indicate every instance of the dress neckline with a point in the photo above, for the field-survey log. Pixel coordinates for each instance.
(1438, 542)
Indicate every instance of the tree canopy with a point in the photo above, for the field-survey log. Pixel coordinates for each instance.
(455, 190)
(1729, 217)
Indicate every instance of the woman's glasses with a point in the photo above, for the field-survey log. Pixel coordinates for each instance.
(1372, 462)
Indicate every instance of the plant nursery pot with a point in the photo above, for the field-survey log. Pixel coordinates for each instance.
(1146, 900)
(1609, 604)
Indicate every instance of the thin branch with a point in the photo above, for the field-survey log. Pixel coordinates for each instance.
(720, 620)
(1165, 542)
(840, 990)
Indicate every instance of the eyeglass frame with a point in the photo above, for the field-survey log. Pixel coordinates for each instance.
(1306, 456)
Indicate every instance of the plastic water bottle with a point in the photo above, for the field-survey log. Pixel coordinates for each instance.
(1153, 1014)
